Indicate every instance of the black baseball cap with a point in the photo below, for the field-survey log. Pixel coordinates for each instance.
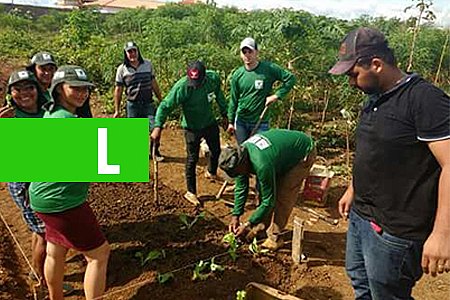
(361, 42)
(20, 75)
(230, 158)
(196, 72)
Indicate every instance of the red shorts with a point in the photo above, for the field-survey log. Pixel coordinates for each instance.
(76, 228)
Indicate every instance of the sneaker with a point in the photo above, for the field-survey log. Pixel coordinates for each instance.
(210, 176)
(272, 245)
(158, 157)
(67, 289)
(191, 197)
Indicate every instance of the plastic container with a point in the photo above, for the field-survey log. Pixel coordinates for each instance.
(317, 185)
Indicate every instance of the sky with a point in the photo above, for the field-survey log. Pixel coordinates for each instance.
(344, 9)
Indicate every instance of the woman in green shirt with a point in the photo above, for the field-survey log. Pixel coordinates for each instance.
(69, 221)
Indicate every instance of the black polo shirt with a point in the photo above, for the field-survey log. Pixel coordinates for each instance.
(395, 175)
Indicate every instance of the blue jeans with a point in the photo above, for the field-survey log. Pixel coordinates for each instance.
(144, 109)
(243, 129)
(380, 265)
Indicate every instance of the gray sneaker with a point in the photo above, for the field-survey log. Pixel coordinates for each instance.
(191, 197)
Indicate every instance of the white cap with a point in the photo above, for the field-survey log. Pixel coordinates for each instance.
(248, 43)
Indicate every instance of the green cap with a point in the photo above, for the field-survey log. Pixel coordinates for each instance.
(72, 75)
(18, 76)
(43, 58)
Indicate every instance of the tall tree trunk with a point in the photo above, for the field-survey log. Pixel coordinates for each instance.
(415, 33)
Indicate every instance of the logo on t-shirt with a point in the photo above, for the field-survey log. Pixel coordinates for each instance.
(259, 84)
(259, 141)
(211, 97)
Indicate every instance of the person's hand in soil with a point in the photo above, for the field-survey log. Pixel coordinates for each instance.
(156, 133)
(7, 112)
(234, 224)
(436, 254)
(345, 203)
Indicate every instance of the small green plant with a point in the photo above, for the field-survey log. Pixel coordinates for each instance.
(215, 267)
(230, 239)
(241, 295)
(255, 249)
(151, 256)
(199, 268)
(187, 224)
(163, 278)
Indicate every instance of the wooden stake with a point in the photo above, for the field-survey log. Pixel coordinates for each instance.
(297, 240)
(155, 175)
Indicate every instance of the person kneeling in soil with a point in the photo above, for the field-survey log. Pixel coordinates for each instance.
(281, 159)
(195, 94)
(69, 221)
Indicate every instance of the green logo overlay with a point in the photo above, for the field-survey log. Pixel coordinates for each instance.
(74, 150)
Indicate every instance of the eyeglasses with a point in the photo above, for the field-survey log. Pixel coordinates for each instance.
(247, 50)
(24, 88)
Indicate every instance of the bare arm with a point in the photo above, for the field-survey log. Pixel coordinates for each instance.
(345, 203)
(117, 98)
(436, 250)
(156, 90)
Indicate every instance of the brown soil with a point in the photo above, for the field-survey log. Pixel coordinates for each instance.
(134, 223)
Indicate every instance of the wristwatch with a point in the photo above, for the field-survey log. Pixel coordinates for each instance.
(247, 224)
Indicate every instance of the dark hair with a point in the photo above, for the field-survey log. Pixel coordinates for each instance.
(386, 56)
(126, 61)
(82, 112)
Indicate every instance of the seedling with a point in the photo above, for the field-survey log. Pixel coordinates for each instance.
(185, 220)
(199, 268)
(230, 239)
(241, 295)
(151, 256)
(163, 278)
(255, 249)
(215, 267)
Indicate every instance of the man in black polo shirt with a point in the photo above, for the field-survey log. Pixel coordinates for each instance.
(399, 199)
(137, 75)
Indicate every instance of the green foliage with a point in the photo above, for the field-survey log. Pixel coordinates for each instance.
(163, 278)
(241, 295)
(200, 267)
(202, 272)
(175, 34)
(231, 241)
(188, 224)
(255, 249)
(151, 256)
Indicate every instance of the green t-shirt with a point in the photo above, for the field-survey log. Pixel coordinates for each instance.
(272, 154)
(196, 103)
(249, 90)
(23, 114)
(53, 197)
